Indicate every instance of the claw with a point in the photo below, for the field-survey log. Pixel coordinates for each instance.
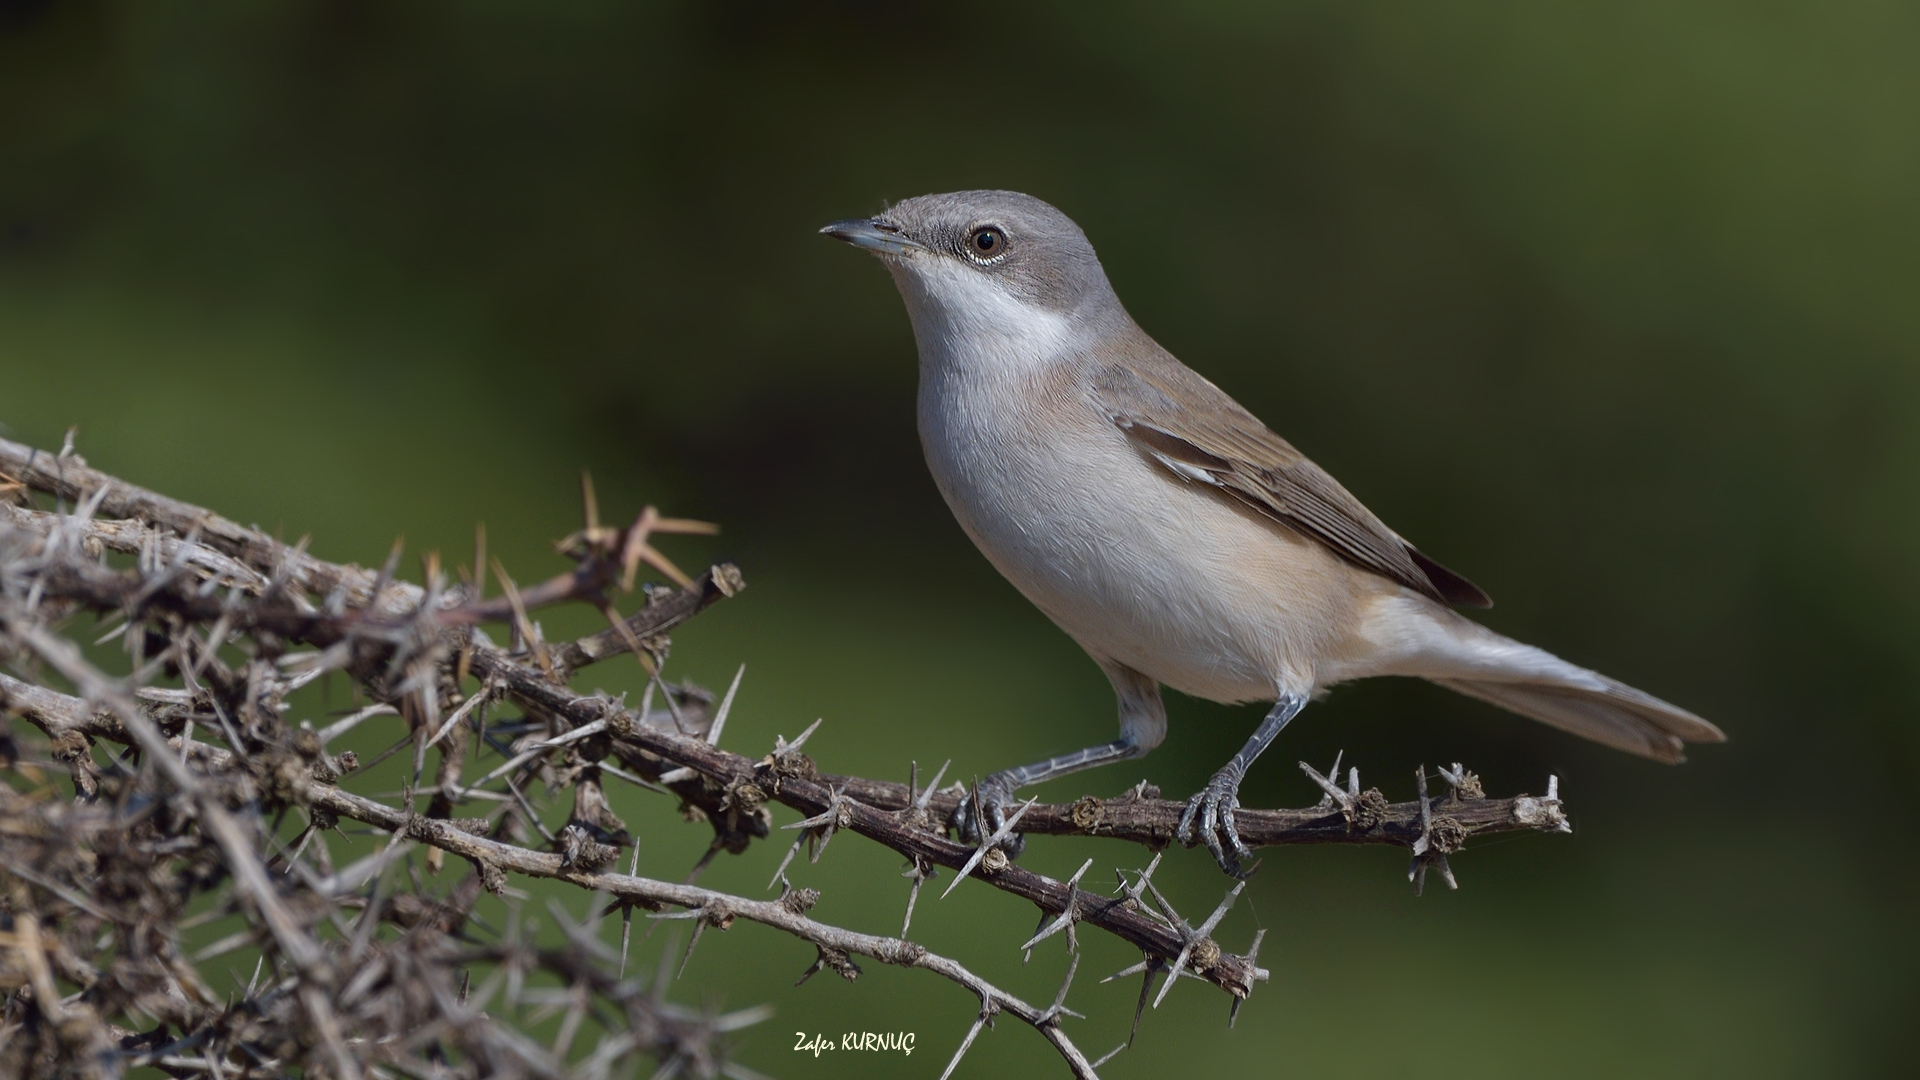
(1240, 850)
(989, 801)
(1003, 838)
(1185, 832)
(1214, 805)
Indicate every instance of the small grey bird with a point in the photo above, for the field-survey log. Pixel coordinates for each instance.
(1164, 527)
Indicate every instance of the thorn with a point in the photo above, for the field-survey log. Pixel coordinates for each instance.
(1065, 920)
(657, 677)
(1134, 892)
(926, 796)
(627, 637)
(626, 912)
(637, 781)
(520, 620)
(1328, 796)
(1171, 916)
(1465, 784)
(459, 714)
(1059, 1007)
(780, 742)
(791, 852)
(986, 1013)
(635, 549)
(636, 542)
(1331, 787)
(827, 821)
(1220, 912)
(1151, 967)
(1253, 953)
(698, 928)
(706, 860)
(1417, 871)
(1192, 936)
(653, 558)
(979, 853)
(387, 570)
(256, 976)
(726, 706)
(1038, 928)
(920, 872)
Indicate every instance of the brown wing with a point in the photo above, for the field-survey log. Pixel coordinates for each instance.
(1199, 433)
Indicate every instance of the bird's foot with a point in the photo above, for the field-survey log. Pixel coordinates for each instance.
(1208, 820)
(984, 812)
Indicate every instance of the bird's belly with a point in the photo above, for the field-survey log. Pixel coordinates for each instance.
(1166, 577)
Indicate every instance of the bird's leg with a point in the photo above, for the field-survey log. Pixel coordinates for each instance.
(1143, 725)
(1211, 808)
(985, 810)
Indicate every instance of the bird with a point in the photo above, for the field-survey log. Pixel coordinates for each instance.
(1165, 528)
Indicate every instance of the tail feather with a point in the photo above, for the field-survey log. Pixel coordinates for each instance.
(1618, 715)
(1462, 655)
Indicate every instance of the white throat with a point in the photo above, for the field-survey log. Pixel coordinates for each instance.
(968, 322)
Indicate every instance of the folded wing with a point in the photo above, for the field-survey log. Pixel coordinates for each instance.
(1210, 439)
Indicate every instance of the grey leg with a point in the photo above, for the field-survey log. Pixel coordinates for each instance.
(1214, 804)
(1042, 771)
(1143, 724)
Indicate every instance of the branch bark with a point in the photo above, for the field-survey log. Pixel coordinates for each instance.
(204, 579)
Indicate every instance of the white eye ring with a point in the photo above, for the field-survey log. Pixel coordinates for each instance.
(986, 244)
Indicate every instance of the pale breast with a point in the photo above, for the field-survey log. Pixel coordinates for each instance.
(1139, 566)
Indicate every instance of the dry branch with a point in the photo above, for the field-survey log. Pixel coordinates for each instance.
(237, 621)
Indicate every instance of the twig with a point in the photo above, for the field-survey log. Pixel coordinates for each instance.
(204, 589)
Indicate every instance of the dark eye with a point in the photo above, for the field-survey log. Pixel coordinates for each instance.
(987, 242)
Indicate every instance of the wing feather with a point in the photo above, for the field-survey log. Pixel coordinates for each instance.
(1192, 428)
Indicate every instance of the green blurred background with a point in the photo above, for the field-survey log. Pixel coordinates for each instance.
(1612, 308)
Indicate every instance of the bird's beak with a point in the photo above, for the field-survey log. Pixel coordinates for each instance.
(875, 235)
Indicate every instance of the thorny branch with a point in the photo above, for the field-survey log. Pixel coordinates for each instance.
(221, 623)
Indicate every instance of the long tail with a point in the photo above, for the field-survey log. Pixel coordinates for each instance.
(1618, 715)
(1535, 683)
